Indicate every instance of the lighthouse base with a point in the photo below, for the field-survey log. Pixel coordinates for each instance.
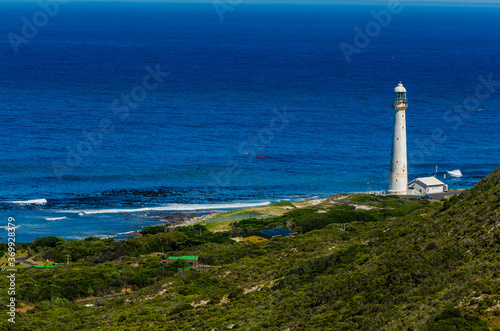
(397, 192)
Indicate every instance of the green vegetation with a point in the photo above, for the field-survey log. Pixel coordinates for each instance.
(452, 319)
(359, 262)
(95, 250)
(273, 210)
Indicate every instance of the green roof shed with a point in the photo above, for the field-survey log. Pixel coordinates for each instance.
(186, 258)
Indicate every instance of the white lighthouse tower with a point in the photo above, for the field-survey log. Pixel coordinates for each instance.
(398, 178)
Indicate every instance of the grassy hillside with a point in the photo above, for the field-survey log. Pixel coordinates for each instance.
(359, 262)
(224, 220)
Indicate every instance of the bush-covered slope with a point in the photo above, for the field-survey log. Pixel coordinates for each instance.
(402, 265)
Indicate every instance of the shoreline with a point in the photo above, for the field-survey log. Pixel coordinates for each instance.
(214, 220)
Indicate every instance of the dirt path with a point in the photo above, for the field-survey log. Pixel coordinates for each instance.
(24, 309)
(114, 295)
(25, 261)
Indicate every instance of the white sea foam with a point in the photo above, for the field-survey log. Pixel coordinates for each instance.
(9, 227)
(125, 233)
(54, 218)
(455, 173)
(169, 207)
(104, 236)
(30, 202)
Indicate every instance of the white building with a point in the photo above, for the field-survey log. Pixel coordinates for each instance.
(398, 178)
(426, 185)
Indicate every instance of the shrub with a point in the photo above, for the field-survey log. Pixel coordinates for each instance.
(452, 320)
(181, 308)
(151, 230)
(49, 241)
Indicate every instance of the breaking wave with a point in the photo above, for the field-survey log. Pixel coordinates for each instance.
(169, 207)
(54, 218)
(30, 202)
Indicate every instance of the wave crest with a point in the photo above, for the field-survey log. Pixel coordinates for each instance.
(54, 218)
(170, 207)
(30, 202)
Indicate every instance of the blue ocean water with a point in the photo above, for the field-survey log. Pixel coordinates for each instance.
(80, 130)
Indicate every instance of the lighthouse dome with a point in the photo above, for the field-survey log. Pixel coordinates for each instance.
(400, 88)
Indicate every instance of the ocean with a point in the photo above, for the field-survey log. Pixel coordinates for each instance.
(115, 112)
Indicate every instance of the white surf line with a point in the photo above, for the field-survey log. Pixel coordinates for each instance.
(171, 207)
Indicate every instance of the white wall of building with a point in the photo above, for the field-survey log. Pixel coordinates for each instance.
(419, 187)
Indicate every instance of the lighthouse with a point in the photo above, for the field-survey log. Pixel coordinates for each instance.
(398, 178)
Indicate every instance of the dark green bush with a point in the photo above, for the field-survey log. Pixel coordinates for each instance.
(452, 320)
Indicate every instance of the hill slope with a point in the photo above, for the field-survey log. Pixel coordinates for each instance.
(433, 268)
